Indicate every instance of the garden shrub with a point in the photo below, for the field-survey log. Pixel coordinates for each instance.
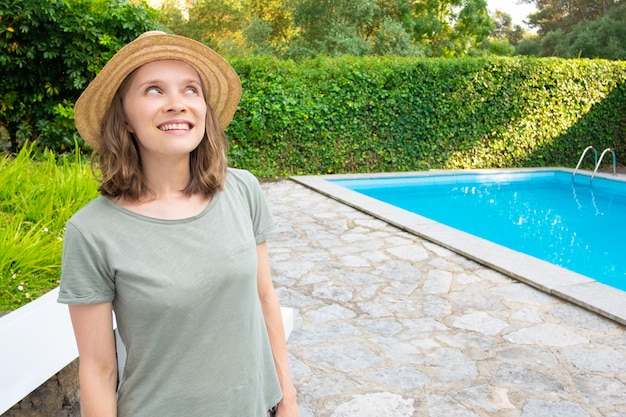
(397, 114)
(49, 51)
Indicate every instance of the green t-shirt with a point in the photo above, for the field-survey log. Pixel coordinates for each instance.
(185, 298)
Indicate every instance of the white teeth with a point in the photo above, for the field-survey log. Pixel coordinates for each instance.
(175, 126)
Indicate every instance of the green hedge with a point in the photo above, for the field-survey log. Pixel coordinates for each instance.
(397, 114)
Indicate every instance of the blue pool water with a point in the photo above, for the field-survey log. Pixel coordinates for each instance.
(576, 224)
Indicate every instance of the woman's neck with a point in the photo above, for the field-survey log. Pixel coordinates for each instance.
(167, 178)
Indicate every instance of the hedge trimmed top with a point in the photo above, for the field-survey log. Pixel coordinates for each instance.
(396, 114)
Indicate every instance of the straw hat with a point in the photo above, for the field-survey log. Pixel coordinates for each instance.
(220, 79)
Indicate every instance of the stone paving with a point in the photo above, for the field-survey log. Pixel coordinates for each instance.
(390, 325)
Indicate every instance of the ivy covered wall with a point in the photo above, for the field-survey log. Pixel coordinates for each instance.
(397, 114)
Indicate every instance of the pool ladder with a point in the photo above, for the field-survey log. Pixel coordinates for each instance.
(597, 162)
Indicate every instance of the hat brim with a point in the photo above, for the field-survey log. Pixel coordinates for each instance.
(220, 79)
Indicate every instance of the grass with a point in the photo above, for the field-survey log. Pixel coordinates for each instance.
(39, 193)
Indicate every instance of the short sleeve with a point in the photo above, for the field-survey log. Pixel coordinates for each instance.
(263, 222)
(85, 278)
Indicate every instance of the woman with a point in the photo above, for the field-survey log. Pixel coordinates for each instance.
(175, 246)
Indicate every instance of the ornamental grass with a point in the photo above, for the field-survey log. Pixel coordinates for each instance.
(39, 192)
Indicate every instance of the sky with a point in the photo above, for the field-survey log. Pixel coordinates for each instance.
(518, 12)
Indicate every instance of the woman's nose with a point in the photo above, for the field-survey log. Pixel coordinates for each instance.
(176, 105)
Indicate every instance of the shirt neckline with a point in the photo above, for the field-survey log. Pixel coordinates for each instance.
(149, 219)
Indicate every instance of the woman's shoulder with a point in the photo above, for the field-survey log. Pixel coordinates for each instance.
(243, 183)
(97, 210)
(238, 174)
(241, 178)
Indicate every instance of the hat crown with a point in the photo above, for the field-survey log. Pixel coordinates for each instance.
(151, 33)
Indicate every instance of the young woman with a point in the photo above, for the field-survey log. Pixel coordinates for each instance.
(175, 246)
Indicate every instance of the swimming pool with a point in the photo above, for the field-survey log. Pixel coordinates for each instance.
(577, 287)
(570, 222)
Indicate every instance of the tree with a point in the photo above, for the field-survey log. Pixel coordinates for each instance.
(306, 28)
(552, 15)
(396, 10)
(233, 27)
(49, 51)
(333, 27)
(604, 37)
(258, 36)
(276, 14)
(213, 22)
(503, 39)
(451, 27)
(505, 30)
(392, 39)
(433, 24)
(473, 26)
(173, 17)
(530, 46)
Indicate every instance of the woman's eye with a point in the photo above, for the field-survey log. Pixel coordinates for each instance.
(192, 90)
(153, 90)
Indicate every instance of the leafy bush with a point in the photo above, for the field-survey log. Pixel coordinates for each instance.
(530, 46)
(604, 37)
(49, 51)
(396, 114)
(493, 48)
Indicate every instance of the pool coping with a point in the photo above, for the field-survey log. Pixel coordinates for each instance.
(579, 289)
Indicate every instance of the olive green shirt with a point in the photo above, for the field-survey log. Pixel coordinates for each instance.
(185, 297)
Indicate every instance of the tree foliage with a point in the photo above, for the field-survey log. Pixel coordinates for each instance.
(451, 27)
(437, 28)
(49, 51)
(307, 28)
(604, 37)
(334, 27)
(576, 28)
(505, 30)
(553, 15)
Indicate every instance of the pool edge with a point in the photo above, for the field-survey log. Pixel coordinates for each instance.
(560, 282)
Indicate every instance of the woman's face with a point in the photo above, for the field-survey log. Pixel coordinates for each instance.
(165, 109)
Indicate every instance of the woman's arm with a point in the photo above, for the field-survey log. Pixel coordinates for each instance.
(273, 321)
(93, 329)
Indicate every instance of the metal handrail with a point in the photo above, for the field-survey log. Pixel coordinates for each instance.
(580, 161)
(600, 161)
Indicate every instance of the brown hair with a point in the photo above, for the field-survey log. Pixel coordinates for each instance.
(117, 162)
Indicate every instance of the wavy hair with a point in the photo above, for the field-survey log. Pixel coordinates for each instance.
(117, 161)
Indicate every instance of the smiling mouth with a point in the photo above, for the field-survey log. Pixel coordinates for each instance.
(175, 126)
